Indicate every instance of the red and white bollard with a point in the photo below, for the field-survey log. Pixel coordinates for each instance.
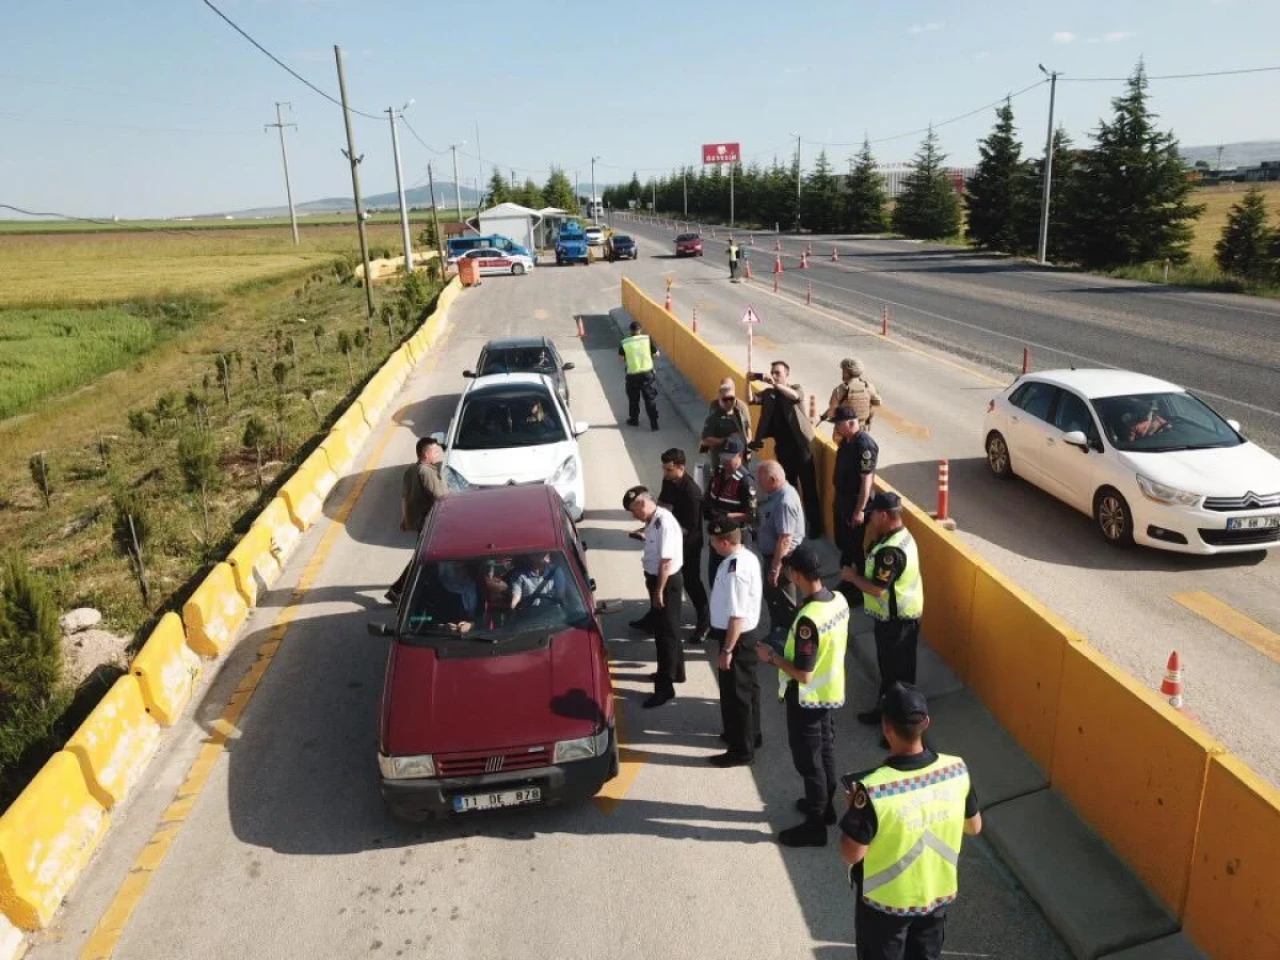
(1026, 359)
(581, 332)
(884, 321)
(804, 260)
(1171, 687)
(748, 273)
(808, 249)
(835, 253)
(777, 245)
(808, 294)
(751, 239)
(944, 496)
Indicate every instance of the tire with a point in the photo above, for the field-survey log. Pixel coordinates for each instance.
(1113, 517)
(998, 459)
(517, 270)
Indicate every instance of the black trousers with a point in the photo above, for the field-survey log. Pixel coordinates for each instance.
(691, 572)
(642, 385)
(740, 697)
(781, 600)
(882, 936)
(852, 552)
(666, 632)
(801, 475)
(896, 642)
(812, 736)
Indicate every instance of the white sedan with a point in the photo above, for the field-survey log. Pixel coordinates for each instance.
(1150, 462)
(595, 236)
(494, 261)
(513, 428)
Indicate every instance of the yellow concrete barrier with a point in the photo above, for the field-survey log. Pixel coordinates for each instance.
(1233, 901)
(1133, 767)
(300, 494)
(375, 397)
(337, 455)
(115, 742)
(950, 578)
(47, 836)
(284, 533)
(253, 565)
(166, 670)
(214, 613)
(349, 434)
(397, 366)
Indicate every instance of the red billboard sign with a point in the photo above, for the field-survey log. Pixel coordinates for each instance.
(721, 152)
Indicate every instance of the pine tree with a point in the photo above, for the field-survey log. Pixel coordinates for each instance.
(999, 189)
(927, 208)
(820, 198)
(1064, 175)
(1128, 203)
(530, 195)
(499, 191)
(559, 192)
(1245, 246)
(865, 198)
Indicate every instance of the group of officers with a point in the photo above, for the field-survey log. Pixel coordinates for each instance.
(904, 819)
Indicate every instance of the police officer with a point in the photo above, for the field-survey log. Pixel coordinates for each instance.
(733, 259)
(854, 482)
(893, 594)
(662, 560)
(811, 683)
(737, 624)
(637, 352)
(731, 494)
(902, 833)
(855, 391)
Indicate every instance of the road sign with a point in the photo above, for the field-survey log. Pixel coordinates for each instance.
(749, 317)
(721, 152)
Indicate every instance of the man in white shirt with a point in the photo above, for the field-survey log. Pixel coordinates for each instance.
(737, 623)
(663, 560)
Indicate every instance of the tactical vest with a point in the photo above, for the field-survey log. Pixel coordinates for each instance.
(638, 353)
(905, 599)
(826, 689)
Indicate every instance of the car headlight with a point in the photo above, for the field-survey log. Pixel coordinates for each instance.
(567, 472)
(455, 481)
(583, 748)
(406, 768)
(1161, 493)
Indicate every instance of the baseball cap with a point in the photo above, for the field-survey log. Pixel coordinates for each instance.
(721, 526)
(805, 561)
(733, 445)
(903, 703)
(853, 365)
(884, 501)
(632, 495)
(844, 413)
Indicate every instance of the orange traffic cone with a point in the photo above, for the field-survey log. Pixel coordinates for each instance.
(804, 260)
(581, 332)
(748, 273)
(835, 254)
(1172, 685)
(667, 306)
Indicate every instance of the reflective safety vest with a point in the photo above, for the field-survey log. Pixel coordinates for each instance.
(638, 353)
(910, 867)
(826, 689)
(905, 599)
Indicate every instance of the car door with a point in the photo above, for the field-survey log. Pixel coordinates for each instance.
(1069, 472)
(1029, 425)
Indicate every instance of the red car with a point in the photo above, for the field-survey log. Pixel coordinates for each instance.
(497, 690)
(688, 245)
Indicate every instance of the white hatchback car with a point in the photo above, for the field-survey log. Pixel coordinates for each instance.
(1150, 462)
(514, 428)
(494, 261)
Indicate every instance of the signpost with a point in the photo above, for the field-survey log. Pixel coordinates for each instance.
(750, 320)
(729, 153)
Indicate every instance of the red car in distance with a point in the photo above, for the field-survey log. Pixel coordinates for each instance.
(497, 690)
(688, 245)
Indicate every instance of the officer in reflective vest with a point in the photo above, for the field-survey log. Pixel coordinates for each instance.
(893, 594)
(811, 683)
(637, 352)
(901, 836)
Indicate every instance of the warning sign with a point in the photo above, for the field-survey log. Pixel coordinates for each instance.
(750, 318)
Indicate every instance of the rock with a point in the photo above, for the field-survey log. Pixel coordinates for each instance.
(82, 618)
(87, 650)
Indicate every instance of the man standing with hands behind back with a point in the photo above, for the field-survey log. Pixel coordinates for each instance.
(855, 480)
(663, 559)
(683, 497)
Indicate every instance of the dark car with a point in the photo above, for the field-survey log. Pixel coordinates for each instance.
(523, 355)
(688, 245)
(497, 690)
(620, 247)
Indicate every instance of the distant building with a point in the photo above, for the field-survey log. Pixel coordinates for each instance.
(895, 175)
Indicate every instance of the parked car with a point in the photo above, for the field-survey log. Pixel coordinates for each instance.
(595, 236)
(620, 247)
(523, 355)
(571, 244)
(494, 261)
(496, 692)
(457, 246)
(1150, 462)
(688, 245)
(512, 428)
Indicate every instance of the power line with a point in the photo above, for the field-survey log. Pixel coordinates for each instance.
(284, 66)
(1170, 76)
(408, 126)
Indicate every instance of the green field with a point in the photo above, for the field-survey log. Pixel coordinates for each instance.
(1217, 202)
(417, 218)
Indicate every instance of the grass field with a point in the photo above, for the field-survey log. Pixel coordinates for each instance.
(1217, 202)
(417, 218)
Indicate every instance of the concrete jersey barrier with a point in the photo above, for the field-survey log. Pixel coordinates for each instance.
(166, 670)
(115, 742)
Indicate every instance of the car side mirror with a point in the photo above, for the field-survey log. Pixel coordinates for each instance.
(469, 374)
(1234, 425)
(380, 629)
(1077, 439)
(567, 366)
(580, 427)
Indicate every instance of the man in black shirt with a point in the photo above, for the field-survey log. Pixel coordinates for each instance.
(783, 419)
(854, 482)
(683, 497)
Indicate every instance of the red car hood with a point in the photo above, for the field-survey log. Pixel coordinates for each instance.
(433, 704)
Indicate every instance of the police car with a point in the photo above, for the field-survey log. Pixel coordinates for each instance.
(493, 261)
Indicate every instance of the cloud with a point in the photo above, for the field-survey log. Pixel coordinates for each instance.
(1063, 36)
(929, 27)
(982, 55)
(1115, 36)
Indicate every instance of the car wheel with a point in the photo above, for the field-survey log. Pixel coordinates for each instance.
(1115, 520)
(518, 269)
(998, 456)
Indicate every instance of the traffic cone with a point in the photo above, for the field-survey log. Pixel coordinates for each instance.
(808, 249)
(748, 273)
(667, 306)
(804, 260)
(581, 332)
(835, 254)
(1172, 685)
(752, 239)
(777, 264)
(777, 244)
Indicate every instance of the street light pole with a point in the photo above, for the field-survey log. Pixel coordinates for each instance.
(797, 136)
(1048, 169)
(404, 209)
(284, 153)
(684, 176)
(457, 186)
(593, 189)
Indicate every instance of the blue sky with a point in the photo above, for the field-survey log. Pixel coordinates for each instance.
(155, 107)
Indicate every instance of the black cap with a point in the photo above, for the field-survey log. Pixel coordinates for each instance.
(805, 561)
(632, 495)
(721, 526)
(733, 445)
(844, 413)
(885, 500)
(903, 703)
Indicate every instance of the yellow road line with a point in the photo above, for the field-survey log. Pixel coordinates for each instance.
(629, 763)
(765, 342)
(900, 424)
(1230, 620)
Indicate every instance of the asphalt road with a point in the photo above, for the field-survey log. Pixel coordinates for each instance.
(286, 850)
(1123, 601)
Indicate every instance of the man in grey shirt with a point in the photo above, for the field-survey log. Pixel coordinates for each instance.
(782, 527)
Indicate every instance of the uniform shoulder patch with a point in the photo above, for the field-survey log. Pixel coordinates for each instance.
(805, 631)
(860, 798)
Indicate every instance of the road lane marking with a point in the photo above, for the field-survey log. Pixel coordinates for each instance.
(765, 342)
(106, 936)
(630, 761)
(900, 424)
(1230, 620)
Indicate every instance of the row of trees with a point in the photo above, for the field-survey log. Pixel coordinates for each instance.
(556, 192)
(1250, 245)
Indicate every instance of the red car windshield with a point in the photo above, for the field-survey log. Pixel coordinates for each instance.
(688, 238)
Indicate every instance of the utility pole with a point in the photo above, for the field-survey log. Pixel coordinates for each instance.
(457, 187)
(404, 210)
(284, 153)
(797, 136)
(1048, 169)
(479, 160)
(354, 159)
(593, 188)
(435, 216)
(684, 176)
(654, 184)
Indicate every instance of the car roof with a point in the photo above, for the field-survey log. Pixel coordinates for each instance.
(1095, 382)
(493, 520)
(517, 343)
(493, 381)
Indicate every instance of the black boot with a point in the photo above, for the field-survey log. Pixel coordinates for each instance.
(828, 815)
(811, 833)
